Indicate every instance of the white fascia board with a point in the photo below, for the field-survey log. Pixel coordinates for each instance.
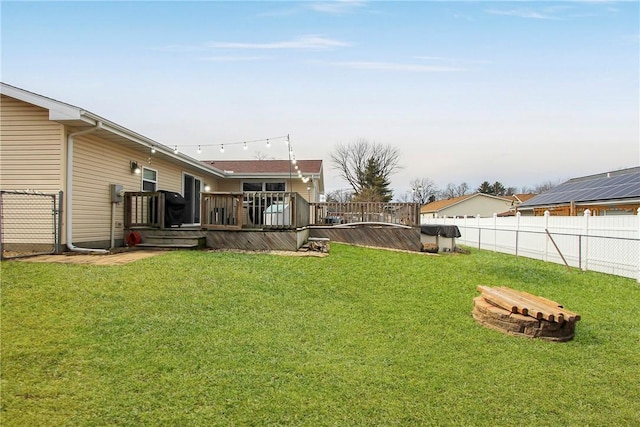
(57, 110)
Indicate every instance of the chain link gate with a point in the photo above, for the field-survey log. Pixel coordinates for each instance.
(30, 223)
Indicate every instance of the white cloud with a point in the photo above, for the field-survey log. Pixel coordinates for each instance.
(391, 66)
(308, 42)
(522, 13)
(337, 7)
(233, 58)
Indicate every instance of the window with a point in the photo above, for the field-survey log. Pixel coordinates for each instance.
(252, 186)
(274, 186)
(264, 186)
(149, 180)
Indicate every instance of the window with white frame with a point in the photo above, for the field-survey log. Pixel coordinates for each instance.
(149, 179)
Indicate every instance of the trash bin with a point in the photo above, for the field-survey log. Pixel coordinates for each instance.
(174, 207)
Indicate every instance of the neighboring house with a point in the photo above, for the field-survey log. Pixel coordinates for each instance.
(470, 205)
(305, 177)
(49, 146)
(608, 193)
(517, 200)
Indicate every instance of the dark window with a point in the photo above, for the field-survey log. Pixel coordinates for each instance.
(252, 186)
(274, 186)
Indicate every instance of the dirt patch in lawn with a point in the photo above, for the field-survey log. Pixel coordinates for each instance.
(118, 258)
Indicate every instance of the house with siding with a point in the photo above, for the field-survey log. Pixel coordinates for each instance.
(607, 193)
(50, 146)
(304, 176)
(470, 205)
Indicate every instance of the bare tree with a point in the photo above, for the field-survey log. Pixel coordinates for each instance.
(341, 196)
(353, 160)
(421, 190)
(259, 155)
(449, 192)
(462, 189)
(511, 191)
(545, 186)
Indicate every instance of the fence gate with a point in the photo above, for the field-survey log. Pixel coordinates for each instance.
(30, 223)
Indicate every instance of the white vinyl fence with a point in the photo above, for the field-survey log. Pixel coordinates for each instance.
(608, 244)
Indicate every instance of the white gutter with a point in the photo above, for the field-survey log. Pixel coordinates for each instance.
(69, 192)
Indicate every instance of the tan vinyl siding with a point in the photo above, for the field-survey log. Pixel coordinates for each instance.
(31, 148)
(99, 163)
(482, 206)
(228, 185)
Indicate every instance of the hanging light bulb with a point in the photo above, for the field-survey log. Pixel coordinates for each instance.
(268, 144)
(199, 149)
(153, 150)
(245, 146)
(175, 150)
(222, 148)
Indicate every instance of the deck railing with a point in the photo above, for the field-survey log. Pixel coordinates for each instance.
(265, 210)
(142, 208)
(331, 213)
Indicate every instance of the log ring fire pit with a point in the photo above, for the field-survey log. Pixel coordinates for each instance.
(521, 313)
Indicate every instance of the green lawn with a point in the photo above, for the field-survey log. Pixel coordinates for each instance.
(361, 337)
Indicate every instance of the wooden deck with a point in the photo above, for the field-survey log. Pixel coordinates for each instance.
(273, 221)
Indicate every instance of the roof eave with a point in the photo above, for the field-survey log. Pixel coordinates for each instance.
(69, 115)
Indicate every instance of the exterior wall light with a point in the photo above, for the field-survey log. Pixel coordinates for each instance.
(135, 168)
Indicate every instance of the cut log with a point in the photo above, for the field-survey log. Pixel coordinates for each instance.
(500, 299)
(567, 314)
(528, 304)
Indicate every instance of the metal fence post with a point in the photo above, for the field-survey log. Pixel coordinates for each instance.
(59, 231)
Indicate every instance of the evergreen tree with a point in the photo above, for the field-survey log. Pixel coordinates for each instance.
(375, 183)
(485, 188)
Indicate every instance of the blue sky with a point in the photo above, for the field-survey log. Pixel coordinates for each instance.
(516, 92)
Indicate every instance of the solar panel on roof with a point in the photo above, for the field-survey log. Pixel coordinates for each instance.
(617, 186)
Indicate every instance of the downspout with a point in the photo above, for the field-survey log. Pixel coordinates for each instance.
(69, 191)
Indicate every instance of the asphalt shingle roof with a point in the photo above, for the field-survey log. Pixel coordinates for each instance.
(266, 166)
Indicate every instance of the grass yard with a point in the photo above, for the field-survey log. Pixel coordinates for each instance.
(362, 337)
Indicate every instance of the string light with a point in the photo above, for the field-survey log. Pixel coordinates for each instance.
(243, 142)
(153, 150)
(245, 146)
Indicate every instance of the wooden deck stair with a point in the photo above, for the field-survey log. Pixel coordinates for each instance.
(169, 240)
